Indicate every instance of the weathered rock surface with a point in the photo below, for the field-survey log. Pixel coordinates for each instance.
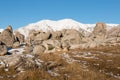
(56, 35)
(72, 37)
(114, 32)
(21, 62)
(42, 36)
(27, 61)
(36, 37)
(19, 37)
(99, 31)
(16, 44)
(28, 49)
(38, 49)
(9, 60)
(7, 37)
(3, 50)
(52, 45)
(40, 42)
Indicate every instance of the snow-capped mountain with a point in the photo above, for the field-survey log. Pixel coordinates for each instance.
(49, 25)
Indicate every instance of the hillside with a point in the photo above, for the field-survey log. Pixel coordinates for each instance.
(60, 50)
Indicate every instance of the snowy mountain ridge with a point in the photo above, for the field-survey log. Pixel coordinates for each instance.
(49, 25)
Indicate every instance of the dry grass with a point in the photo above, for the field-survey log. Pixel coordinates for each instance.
(108, 62)
(106, 49)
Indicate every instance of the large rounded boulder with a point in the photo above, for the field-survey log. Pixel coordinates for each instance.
(72, 36)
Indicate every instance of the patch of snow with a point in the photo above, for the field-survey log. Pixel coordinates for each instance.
(2, 63)
(109, 60)
(67, 57)
(53, 73)
(29, 56)
(85, 55)
(111, 74)
(17, 51)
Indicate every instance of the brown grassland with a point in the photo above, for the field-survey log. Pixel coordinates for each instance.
(99, 64)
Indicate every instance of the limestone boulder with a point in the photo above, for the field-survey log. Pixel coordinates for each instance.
(30, 38)
(19, 37)
(66, 44)
(9, 60)
(42, 36)
(36, 38)
(7, 37)
(52, 45)
(100, 30)
(3, 50)
(16, 45)
(19, 62)
(66, 32)
(56, 35)
(92, 44)
(28, 49)
(38, 49)
(37, 42)
(72, 37)
(114, 32)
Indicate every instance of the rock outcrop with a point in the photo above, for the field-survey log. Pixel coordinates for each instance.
(3, 49)
(71, 37)
(19, 37)
(56, 35)
(38, 49)
(100, 31)
(96, 38)
(52, 45)
(40, 42)
(7, 37)
(36, 37)
(42, 36)
(114, 32)
(20, 62)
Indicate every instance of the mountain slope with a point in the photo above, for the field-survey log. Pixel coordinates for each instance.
(49, 25)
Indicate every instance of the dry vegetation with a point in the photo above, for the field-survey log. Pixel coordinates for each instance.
(91, 64)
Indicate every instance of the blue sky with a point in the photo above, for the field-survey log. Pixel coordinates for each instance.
(19, 13)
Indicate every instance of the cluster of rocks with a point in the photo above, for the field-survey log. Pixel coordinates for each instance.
(100, 36)
(41, 42)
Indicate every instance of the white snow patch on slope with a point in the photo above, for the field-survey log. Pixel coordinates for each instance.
(17, 51)
(49, 25)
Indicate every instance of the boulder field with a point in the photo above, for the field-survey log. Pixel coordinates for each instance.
(42, 42)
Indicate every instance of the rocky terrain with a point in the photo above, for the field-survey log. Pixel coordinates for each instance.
(63, 54)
